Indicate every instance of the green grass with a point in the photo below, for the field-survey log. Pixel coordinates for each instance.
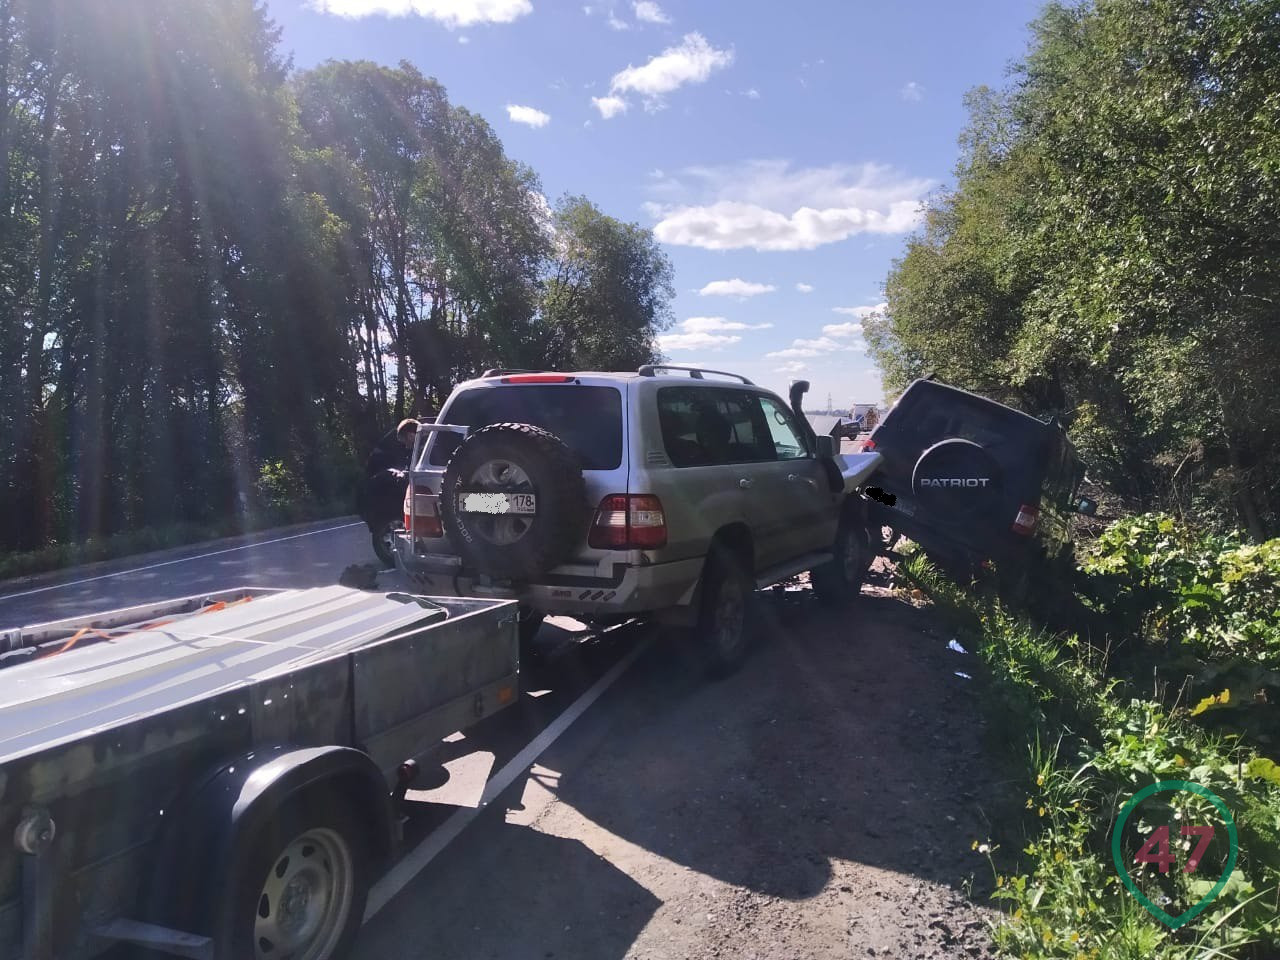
(1085, 741)
(59, 556)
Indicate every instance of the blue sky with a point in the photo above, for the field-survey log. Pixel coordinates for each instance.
(780, 151)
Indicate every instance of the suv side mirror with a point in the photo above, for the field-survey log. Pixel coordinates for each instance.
(826, 446)
(1086, 506)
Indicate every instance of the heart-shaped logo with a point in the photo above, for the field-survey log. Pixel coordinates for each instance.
(1184, 786)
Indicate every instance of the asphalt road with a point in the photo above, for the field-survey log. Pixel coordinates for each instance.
(310, 556)
(819, 803)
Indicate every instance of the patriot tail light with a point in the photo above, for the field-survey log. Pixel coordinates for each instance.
(1026, 520)
(421, 515)
(628, 522)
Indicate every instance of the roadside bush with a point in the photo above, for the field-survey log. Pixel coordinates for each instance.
(1212, 594)
(1207, 609)
(1091, 740)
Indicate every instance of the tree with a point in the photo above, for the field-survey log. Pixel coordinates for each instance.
(607, 294)
(445, 233)
(1110, 253)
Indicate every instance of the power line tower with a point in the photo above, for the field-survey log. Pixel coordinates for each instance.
(828, 401)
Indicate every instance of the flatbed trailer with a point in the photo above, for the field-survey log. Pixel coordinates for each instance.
(218, 776)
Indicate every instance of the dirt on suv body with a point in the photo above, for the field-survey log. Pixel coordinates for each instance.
(609, 495)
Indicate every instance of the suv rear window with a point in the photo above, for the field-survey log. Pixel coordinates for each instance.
(587, 419)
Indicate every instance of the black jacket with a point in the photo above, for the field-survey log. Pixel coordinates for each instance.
(389, 454)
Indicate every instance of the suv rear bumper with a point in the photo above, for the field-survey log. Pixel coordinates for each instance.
(632, 590)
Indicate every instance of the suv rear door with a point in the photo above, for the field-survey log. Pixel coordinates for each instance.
(930, 413)
(588, 417)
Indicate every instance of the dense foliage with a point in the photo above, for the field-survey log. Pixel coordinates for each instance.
(1090, 729)
(1110, 252)
(219, 281)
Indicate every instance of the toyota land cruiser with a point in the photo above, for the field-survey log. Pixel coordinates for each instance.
(670, 491)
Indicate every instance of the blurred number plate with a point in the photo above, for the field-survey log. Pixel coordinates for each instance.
(498, 503)
(907, 507)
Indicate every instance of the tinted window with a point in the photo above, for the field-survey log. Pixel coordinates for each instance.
(788, 441)
(702, 427)
(587, 419)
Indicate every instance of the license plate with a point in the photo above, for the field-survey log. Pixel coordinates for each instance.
(521, 504)
(907, 507)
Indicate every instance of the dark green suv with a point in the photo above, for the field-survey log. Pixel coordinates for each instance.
(972, 480)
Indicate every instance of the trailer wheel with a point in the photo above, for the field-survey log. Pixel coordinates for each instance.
(301, 891)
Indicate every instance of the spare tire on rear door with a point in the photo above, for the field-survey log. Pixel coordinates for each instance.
(957, 480)
(513, 501)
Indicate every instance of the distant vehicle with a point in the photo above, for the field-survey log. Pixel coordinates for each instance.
(973, 480)
(670, 491)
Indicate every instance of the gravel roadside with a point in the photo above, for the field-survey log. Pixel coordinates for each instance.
(821, 803)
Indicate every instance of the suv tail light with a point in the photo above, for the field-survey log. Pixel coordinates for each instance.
(1026, 520)
(629, 522)
(421, 515)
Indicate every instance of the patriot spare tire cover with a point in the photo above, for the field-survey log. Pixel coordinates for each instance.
(956, 480)
(513, 501)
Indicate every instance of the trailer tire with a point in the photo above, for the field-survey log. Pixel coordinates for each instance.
(301, 888)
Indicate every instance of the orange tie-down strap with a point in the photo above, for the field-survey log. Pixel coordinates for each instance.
(154, 625)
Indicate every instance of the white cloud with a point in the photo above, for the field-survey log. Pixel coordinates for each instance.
(791, 366)
(861, 312)
(529, 116)
(616, 23)
(710, 324)
(913, 92)
(587, 9)
(735, 288)
(752, 94)
(464, 39)
(692, 61)
(842, 330)
(767, 205)
(649, 12)
(609, 107)
(696, 341)
(810, 348)
(451, 13)
(804, 288)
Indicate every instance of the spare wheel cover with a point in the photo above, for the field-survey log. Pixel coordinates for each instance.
(514, 458)
(957, 479)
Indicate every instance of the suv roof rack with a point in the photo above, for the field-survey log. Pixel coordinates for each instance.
(499, 372)
(651, 370)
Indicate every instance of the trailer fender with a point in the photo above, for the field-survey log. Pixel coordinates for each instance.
(203, 837)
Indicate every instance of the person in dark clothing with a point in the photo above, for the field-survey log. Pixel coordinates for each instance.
(384, 483)
(392, 451)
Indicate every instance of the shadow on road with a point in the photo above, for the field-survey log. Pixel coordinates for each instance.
(847, 735)
(510, 891)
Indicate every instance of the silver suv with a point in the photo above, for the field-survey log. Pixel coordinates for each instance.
(671, 491)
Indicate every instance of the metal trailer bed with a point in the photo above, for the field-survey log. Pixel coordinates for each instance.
(139, 743)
